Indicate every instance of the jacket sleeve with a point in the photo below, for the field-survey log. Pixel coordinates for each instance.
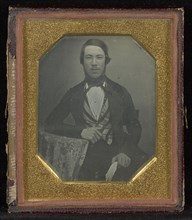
(130, 119)
(133, 130)
(55, 121)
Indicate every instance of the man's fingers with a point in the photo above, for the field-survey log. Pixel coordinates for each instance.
(98, 137)
(128, 162)
(94, 139)
(114, 159)
(91, 134)
(123, 160)
(98, 132)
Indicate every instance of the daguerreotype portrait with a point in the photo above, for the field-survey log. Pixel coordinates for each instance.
(95, 110)
(90, 79)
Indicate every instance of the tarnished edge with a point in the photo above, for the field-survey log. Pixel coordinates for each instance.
(181, 108)
(11, 103)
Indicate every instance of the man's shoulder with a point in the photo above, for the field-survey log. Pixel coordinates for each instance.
(77, 88)
(116, 87)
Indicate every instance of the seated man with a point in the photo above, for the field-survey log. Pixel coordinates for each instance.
(104, 115)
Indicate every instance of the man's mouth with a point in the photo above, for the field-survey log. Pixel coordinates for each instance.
(94, 69)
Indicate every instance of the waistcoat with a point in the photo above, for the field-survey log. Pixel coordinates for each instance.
(103, 123)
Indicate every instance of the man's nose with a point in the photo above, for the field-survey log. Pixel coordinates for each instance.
(94, 61)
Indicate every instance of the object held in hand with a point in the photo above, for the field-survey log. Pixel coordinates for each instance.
(111, 171)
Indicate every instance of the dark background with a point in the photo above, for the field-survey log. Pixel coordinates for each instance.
(187, 5)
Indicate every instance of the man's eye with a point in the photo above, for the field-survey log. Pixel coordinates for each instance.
(100, 57)
(88, 57)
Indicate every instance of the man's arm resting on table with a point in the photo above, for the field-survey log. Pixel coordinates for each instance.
(55, 121)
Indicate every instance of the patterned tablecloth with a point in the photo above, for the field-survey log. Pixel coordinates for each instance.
(63, 154)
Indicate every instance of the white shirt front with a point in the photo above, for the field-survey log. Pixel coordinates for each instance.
(95, 97)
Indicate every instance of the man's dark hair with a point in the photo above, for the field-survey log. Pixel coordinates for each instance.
(98, 43)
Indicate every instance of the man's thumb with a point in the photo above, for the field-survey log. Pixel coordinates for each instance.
(113, 159)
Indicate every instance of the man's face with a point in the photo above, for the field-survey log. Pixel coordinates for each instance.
(94, 61)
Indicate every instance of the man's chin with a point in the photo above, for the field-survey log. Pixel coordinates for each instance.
(95, 76)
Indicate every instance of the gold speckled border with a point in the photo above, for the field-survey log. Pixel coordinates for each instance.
(157, 31)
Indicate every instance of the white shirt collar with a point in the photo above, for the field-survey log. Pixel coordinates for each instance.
(87, 86)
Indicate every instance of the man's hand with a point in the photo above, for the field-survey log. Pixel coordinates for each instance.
(91, 134)
(122, 159)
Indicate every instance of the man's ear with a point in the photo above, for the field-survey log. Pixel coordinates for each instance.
(107, 60)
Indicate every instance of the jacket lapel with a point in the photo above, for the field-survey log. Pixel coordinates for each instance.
(77, 103)
(115, 105)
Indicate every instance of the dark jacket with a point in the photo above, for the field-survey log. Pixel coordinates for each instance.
(126, 128)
